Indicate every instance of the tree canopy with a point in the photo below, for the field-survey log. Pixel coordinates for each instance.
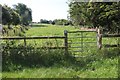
(61, 22)
(96, 14)
(24, 12)
(20, 14)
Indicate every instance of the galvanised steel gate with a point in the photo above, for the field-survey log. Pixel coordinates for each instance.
(81, 42)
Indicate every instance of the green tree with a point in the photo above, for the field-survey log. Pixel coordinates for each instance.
(6, 15)
(61, 22)
(9, 16)
(15, 18)
(78, 13)
(0, 14)
(44, 21)
(104, 14)
(24, 12)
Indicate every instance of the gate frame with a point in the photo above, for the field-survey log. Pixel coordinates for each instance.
(97, 38)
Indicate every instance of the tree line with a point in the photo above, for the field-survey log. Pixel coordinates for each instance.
(56, 22)
(96, 14)
(20, 14)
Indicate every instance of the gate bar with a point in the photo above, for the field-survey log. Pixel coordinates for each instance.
(81, 31)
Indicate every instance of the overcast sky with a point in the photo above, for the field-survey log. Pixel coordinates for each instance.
(43, 9)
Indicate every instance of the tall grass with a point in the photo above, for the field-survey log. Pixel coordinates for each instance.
(103, 64)
(30, 62)
(17, 30)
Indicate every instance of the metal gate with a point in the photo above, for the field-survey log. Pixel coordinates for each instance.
(81, 42)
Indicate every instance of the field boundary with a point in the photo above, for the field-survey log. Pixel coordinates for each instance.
(98, 37)
(41, 37)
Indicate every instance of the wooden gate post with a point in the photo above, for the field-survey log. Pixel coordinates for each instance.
(99, 38)
(66, 42)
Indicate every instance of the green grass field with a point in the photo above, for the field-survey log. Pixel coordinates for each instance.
(48, 30)
(96, 63)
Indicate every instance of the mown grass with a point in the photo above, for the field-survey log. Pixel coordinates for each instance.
(92, 63)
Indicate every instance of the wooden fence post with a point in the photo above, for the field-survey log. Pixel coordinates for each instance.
(7, 33)
(66, 42)
(24, 42)
(82, 41)
(99, 38)
(14, 31)
(118, 42)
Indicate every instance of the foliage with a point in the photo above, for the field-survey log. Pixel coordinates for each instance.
(28, 61)
(44, 21)
(78, 13)
(61, 22)
(97, 14)
(28, 56)
(13, 17)
(24, 12)
(17, 30)
(37, 64)
(10, 16)
(19, 15)
(0, 14)
(106, 15)
(56, 22)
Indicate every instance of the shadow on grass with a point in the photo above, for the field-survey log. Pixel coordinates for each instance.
(31, 57)
(99, 56)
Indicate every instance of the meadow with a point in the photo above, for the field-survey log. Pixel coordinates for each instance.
(37, 63)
